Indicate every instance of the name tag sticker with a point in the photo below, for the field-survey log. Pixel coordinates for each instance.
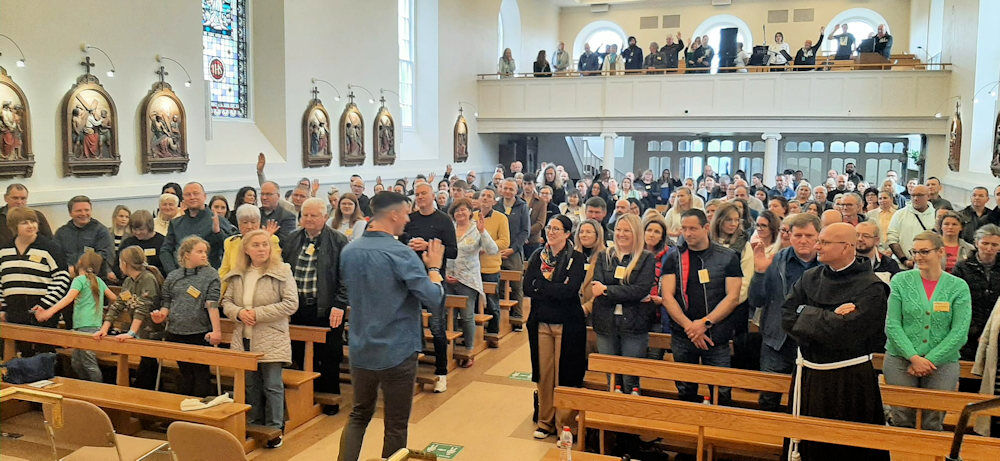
(86, 249)
(35, 258)
(310, 249)
(620, 272)
(125, 295)
(586, 266)
(703, 275)
(194, 292)
(942, 306)
(149, 252)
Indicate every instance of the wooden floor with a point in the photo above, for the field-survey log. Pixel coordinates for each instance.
(484, 411)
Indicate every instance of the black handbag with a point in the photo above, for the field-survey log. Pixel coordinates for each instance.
(24, 370)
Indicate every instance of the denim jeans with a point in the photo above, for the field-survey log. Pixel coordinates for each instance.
(775, 361)
(85, 362)
(397, 391)
(717, 356)
(945, 378)
(624, 344)
(266, 395)
(465, 319)
(493, 304)
(437, 324)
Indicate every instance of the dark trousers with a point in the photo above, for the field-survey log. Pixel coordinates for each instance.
(716, 356)
(493, 304)
(397, 391)
(17, 312)
(196, 378)
(438, 324)
(145, 375)
(775, 361)
(327, 356)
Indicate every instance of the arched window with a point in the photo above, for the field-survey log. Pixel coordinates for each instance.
(744, 146)
(805, 146)
(598, 33)
(885, 147)
(791, 146)
(897, 148)
(714, 145)
(837, 147)
(713, 25)
(697, 146)
(860, 22)
(817, 146)
(224, 52)
(653, 146)
(727, 145)
(509, 30)
(758, 146)
(684, 146)
(852, 147)
(871, 147)
(666, 146)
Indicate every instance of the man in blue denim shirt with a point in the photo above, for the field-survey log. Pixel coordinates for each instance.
(386, 284)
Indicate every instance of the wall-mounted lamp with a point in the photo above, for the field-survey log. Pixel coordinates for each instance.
(20, 62)
(371, 97)
(314, 80)
(160, 58)
(992, 87)
(938, 114)
(474, 114)
(86, 47)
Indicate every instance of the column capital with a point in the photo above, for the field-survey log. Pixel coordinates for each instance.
(609, 134)
(774, 136)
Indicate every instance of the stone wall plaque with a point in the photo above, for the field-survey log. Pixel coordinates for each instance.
(16, 158)
(317, 151)
(90, 128)
(164, 130)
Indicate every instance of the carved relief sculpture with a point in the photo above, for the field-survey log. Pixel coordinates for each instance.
(164, 129)
(352, 135)
(384, 135)
(16, 158)
(461, 143)
(955, 139)
(317, 151)
(90, 128)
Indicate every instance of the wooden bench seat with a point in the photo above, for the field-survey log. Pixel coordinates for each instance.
(123, 401)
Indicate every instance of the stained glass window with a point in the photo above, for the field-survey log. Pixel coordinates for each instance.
(224, 49)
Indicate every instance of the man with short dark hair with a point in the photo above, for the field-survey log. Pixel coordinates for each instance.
(597, 209)
(836, 313)
(198, 220)
(358, 189)
(852, 174)
(16, 196)
(82, 233)
(867, 247)
(518, 220)
(773, 279)
(386, 285)
(701, 288)
(499, 230)
(426, 224)
(781, 188)
(934, 189)
(976, 214)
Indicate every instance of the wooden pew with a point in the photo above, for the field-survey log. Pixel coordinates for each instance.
(507, 301)
(490, 288)
(480, 318)
(709, 421)
(125, 400)
(450, 304)
(952, 402)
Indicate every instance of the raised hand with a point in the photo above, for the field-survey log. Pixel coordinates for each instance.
(761, 261)
(261, 161)
(315, 187)
(434, 256)
(271, 227)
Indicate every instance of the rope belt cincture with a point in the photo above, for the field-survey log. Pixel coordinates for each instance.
(800, 363)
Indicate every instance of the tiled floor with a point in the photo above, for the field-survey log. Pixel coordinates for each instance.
(484, 411)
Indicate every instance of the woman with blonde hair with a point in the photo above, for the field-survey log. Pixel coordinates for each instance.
(589, 241)
(552, 178)
(262, 296)
(883, 216)
(506, 65)
(347, 217)
(622, 278)
(683, 201)
(119, 227)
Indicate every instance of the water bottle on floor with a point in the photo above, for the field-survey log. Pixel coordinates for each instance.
(565, 444)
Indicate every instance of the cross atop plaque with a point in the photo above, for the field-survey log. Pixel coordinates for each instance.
(87, 64)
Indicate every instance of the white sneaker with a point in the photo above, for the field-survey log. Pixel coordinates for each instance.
(540, 434)
(441, 384)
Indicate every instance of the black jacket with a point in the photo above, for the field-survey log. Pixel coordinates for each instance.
(557, 301)
(984, 286)
(638, 318)
(714, 259)
(330, 292)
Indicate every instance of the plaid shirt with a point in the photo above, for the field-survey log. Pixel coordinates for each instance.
(305, 268)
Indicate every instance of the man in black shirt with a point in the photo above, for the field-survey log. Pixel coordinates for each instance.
(806, 56)
(670, 50)
(632, 56)
(701, 288)
(883, 42)
(426, 224)
(358, 189)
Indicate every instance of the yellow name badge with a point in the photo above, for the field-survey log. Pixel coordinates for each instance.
(149, 252)
(620, 272)
(586, 267)
(508, 211)
(942, 306)
(350, 232)
(194, 292)
(125, 295)
(703, 275)
(35, 258)
(310, 249)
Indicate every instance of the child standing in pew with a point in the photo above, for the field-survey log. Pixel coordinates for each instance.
(88, 291)
(189, 303)
(140, 295)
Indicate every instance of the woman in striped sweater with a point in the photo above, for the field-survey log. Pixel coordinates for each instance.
(32, 273)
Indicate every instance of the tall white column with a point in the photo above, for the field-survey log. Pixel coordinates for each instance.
(770, 155)
(609, 152)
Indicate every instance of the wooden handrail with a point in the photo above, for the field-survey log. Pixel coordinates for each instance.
(910, 397)
(295, 332)
(214, 356)
(772, 424)
(701, 70)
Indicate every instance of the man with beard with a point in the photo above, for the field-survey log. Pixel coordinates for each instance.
(836, 314)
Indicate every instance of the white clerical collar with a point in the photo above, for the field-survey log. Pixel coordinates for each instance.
(842, 268)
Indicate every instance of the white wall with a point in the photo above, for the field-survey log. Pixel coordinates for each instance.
(337, 40)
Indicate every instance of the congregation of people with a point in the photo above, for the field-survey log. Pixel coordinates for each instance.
(697, 55)
(829, 274)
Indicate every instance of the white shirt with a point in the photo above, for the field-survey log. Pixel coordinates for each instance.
(775, 52)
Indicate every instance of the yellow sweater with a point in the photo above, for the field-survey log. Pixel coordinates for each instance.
(496, 225)
(231, 247)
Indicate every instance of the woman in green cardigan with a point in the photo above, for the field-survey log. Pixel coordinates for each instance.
(927, 324)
